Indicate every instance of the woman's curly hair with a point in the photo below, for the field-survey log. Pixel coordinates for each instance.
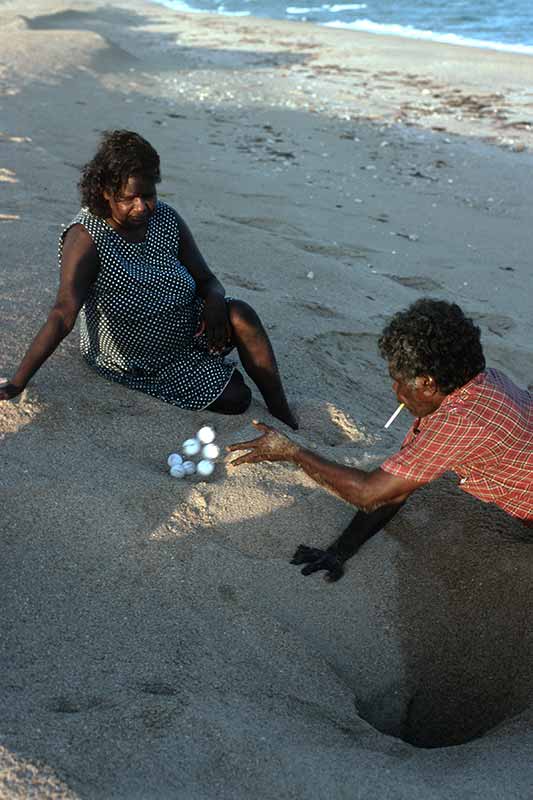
(120, 155)
(433, 338)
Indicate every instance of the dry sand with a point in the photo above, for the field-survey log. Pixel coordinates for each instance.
(156, 643)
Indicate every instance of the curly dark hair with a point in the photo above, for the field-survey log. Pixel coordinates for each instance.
(433, 338)
(120, 155)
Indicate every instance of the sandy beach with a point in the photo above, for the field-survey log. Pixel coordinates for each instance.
(155, 641)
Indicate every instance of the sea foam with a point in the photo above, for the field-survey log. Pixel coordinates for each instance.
(407, 31)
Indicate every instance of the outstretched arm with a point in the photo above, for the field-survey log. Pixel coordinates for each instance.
(366, 490)
(79, 269)
(378, 494)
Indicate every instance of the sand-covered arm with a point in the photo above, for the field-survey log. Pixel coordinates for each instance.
(366, 490)
(79, 269)
(378, 494)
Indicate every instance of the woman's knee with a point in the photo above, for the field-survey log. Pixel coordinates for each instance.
(242, 315)
(236, 397)
(239, 400)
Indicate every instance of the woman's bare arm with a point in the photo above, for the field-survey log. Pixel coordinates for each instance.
(79, 269)
(208, 287)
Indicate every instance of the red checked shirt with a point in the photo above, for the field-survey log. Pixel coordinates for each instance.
(484, 433)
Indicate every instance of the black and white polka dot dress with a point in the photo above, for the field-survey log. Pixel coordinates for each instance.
(138, 321)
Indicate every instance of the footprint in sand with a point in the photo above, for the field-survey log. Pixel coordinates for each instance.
(158, 688)
(347, 361)
(65, 704)
(495, 323)
(350, 369)
(347, 350)
(333, 250)
(281, 228)
(243, 283)
(419, 282)
(228, 594)
(258, 196)
(318, 309)
(270, 224)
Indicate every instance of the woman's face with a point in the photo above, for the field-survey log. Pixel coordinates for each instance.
(134, 204)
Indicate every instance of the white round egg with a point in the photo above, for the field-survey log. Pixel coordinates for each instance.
(174, 458)
(191, 447)
(205, 467)
(210, 451)
(189, 467)
(177, 471)
(206, 435)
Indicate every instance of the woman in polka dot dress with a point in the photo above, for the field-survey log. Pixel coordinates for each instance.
(153, 315)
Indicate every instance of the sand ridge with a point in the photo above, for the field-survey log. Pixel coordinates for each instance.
(156, 641)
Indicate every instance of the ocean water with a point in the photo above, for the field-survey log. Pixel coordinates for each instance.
(497, 24)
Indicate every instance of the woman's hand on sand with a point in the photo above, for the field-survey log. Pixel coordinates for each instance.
(215, 322)
(8, 390)
(271, 446)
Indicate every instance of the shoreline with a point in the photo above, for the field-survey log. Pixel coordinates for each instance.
(377, 29)
(494, 104)
(354, 75)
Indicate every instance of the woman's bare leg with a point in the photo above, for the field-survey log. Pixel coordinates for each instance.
(235, 399)
(258, 359)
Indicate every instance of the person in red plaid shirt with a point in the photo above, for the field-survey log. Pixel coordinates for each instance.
(468, 419)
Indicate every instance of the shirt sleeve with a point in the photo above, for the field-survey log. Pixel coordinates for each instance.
(445, 442)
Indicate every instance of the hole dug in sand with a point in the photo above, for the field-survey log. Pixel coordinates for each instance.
(456, 662)
(443, 712)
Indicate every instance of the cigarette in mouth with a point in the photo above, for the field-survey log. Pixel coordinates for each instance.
(393, 417)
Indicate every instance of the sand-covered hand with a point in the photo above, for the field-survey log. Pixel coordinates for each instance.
(317, 559)
(271, 446)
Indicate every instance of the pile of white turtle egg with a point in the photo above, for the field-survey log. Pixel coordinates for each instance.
(203, 446)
